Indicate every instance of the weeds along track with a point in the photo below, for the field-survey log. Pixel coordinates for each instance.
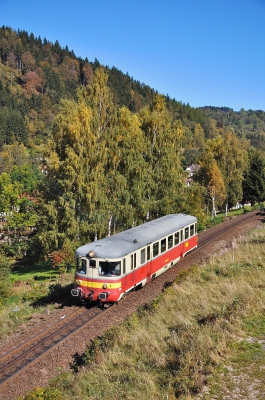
(60, 347)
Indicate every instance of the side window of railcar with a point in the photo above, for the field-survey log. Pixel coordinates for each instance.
(170, 242)
(124, 266)
(131, 261)
(163, 245)
(177, 238)
(191, 230)
(92, 263)
(116, 268)
(196, 227)
(181, 235)
(134, 260)
(142, 256)
(148, 253)
(81, 265)
(155, 249)
(187, 233)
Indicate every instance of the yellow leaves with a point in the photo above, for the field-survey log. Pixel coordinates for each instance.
(54, 161)
(72, 122)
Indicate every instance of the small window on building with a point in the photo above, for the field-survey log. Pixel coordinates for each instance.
(170, 242)
(186, 233)
(142, 256)
(155, 249)
(148, 253)
(163, 245)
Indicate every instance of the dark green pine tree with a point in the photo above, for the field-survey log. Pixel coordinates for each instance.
(254, 180)
(16, 128)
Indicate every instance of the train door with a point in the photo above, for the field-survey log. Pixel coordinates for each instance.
(124, 273)
(131, 273)
(181, 244)
(178, 243)
(186, 239)
(149, 263)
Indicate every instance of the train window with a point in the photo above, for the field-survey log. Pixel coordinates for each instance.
(131, 261)
(186, 233)
(148, 253)
(195, 227)
(92, 263)
(112, 268)
(181, 235)
(155, 249)
(177, 238)
(81, 266)
(134, 260)
(163, 245)
(142, 256)
(191, 230)
(124, 266)
(170, 242)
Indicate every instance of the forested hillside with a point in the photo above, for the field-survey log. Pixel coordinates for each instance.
(85, 150)
(247, 124)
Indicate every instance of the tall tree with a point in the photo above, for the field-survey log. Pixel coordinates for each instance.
(76, 189)
(254, 178)
(65, 203)
(231, 156)
(163, 158)
(210, 177)
(127, 147)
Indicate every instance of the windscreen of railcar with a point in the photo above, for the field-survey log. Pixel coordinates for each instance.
(110, 268)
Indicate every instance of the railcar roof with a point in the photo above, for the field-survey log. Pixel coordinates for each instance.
(126, 242)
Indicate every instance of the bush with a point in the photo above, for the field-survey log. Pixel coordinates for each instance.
(42, 394)
(5, 287)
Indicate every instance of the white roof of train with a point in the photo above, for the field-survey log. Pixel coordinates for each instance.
(126, 242)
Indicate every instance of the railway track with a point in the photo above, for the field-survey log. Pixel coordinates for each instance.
(17, 365)
(212, 234)
(21, 357)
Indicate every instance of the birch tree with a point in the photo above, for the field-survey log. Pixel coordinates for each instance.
(163, 158)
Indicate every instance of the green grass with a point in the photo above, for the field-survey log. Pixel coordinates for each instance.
(40, 271)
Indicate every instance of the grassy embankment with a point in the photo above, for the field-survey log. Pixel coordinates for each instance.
(207, 330)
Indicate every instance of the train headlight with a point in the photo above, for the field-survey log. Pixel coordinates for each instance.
(78, 282)
(104, 286)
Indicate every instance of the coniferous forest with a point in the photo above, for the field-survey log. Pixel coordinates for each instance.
(87, 151)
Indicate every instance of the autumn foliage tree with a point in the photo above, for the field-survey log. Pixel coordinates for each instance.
(62, 259)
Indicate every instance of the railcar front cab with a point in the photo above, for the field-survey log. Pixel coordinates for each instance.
(97, 280)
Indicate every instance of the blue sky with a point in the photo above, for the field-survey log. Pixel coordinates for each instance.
(208, 52)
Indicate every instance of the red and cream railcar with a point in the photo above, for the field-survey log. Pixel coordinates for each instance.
(109, 268)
